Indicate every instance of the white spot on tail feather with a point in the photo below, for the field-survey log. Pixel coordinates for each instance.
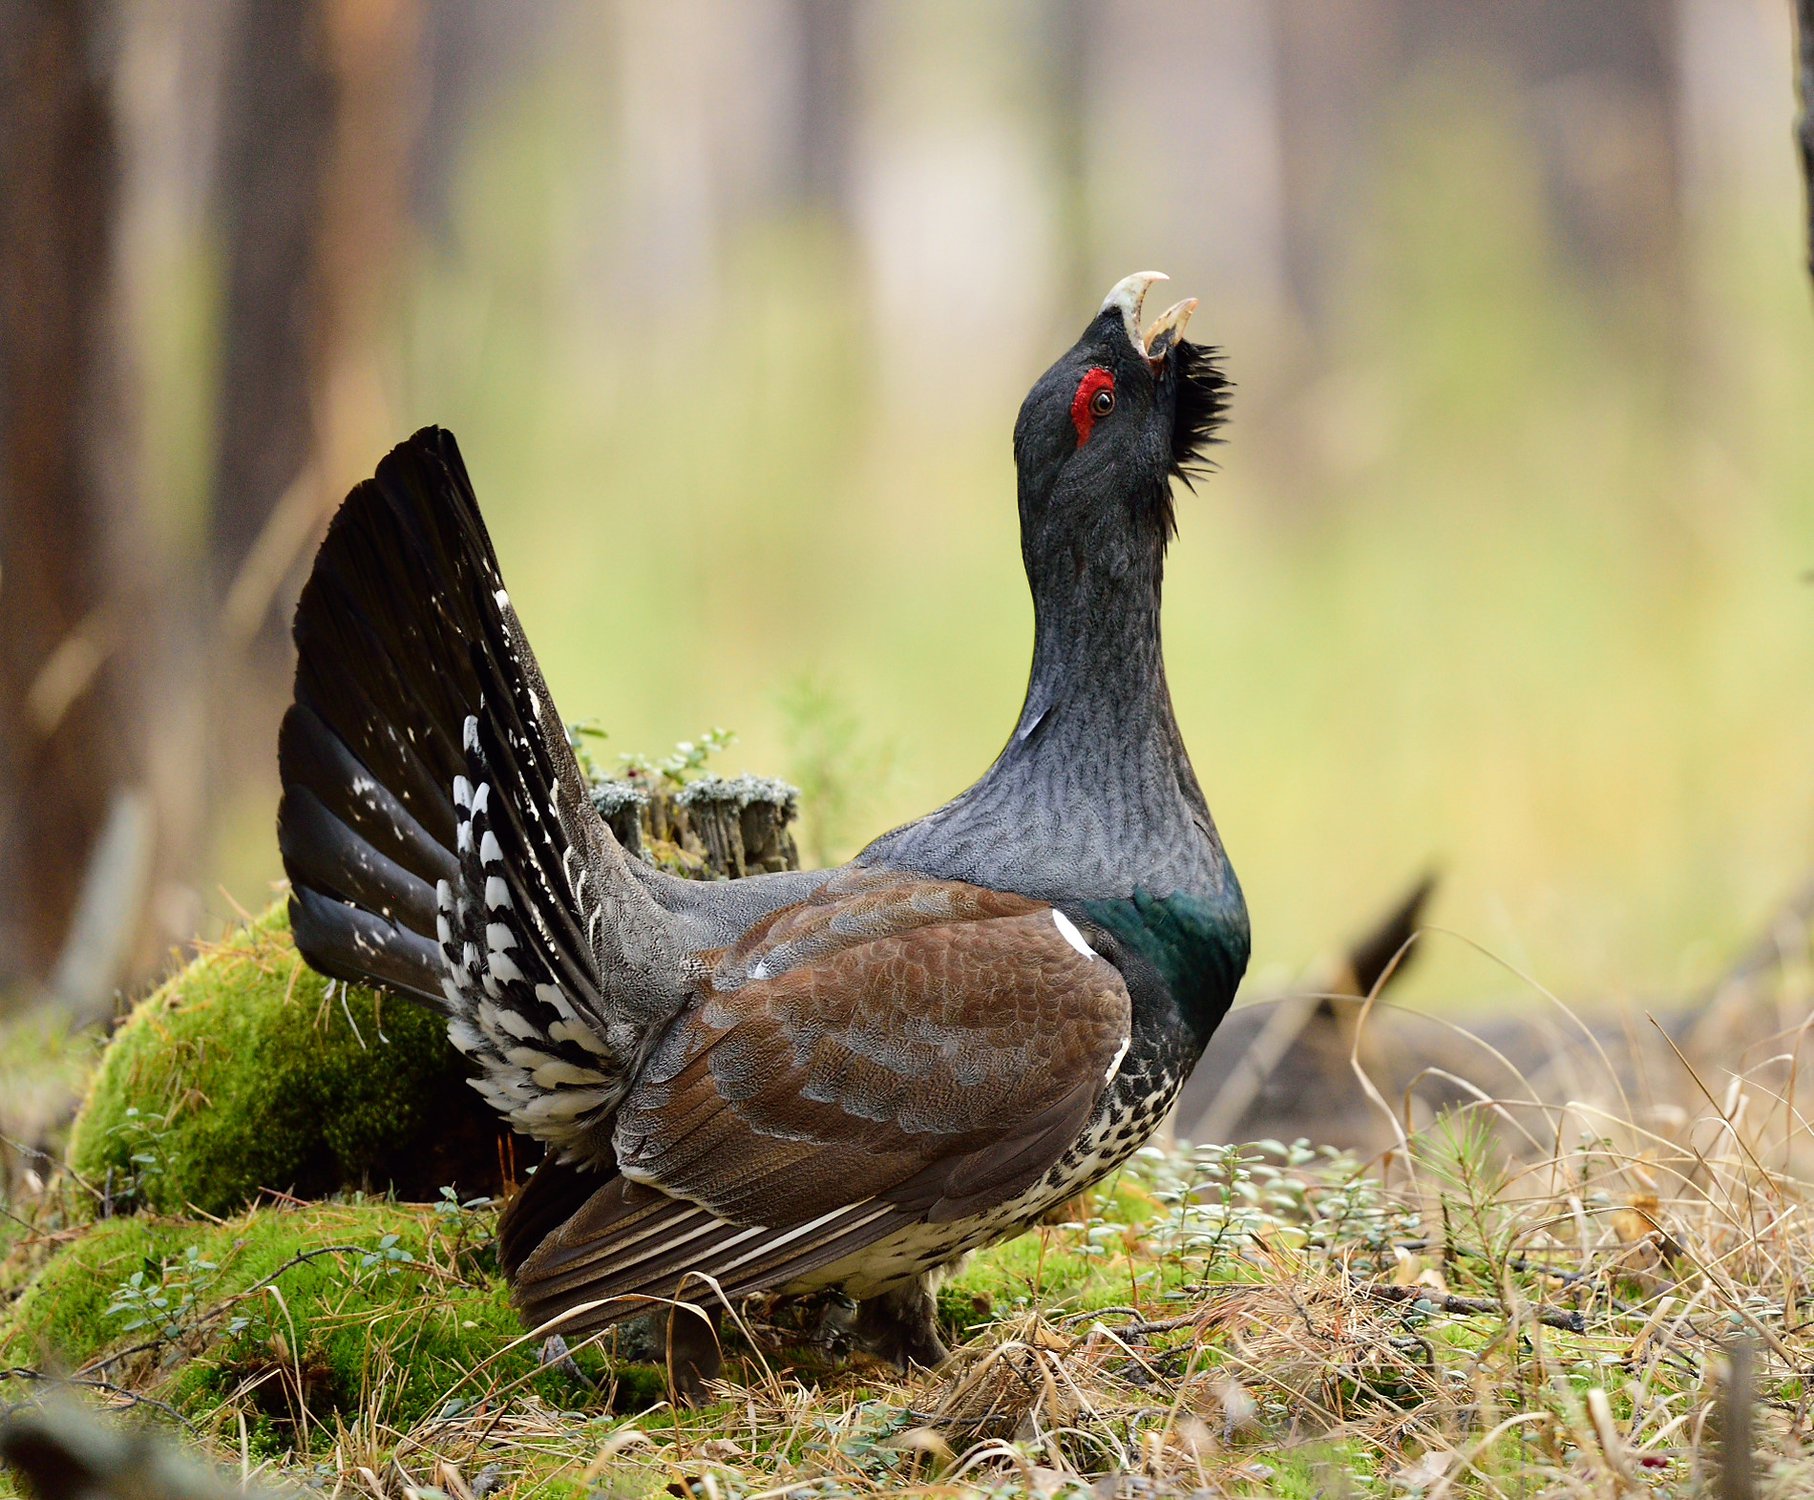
(557, 1072)
(519, 1026)
(555, 998)
(579, 1034)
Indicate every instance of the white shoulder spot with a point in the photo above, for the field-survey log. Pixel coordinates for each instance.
(1068, 930)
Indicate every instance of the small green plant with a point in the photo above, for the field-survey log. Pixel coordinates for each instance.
(161, 1295)
(467, 1224)
(686, 761)
(450, 1210)
(141, 1140)
(1356, 1210)
(579, 732)
(385, 1258)
(1462, 1156)
(1225, 1205)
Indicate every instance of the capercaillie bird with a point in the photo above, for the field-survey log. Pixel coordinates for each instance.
(844, 1078)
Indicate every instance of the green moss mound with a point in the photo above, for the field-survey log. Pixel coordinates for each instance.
(248, 1071)
(333, 1313)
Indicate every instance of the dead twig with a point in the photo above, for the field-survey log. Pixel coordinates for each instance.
(1551, 1317)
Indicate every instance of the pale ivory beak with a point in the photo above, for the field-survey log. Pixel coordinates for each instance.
(1128, 297)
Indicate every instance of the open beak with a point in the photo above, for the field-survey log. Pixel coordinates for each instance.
(1128, 296)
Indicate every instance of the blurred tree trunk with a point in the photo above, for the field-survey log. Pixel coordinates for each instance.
(1338, 66)
(472, 51)
(277, 124)
(826, 39)
(1606, 119)
(1065, 116)
(312, 194)
(69, 732)
(1597, 96)
(1804, 124)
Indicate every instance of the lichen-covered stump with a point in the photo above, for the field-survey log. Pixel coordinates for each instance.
(714, 828)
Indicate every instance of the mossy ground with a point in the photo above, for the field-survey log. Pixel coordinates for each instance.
(1196, 1306)
(249, 1072)
(307, 1320)
(1470, 1318)
(360, 1322)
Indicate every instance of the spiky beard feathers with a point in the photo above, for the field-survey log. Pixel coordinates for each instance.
(1201, 405)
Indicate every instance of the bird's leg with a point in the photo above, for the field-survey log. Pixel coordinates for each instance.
(901, 1325)
(695, 1357)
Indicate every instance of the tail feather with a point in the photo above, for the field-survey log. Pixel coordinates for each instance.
(439, 837)
(318, 763)
(540, 1043)
(333, 851)
(368, 949)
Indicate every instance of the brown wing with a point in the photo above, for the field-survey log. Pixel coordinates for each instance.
(931, 1044)
(890, 1051)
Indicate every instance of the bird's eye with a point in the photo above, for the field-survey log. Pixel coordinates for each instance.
(1095, 399)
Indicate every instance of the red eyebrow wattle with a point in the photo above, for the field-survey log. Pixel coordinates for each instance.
(1082, 418)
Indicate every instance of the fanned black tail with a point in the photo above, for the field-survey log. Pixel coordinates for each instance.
(437, 833)
(370, 748)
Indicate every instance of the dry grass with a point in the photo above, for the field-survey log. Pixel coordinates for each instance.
(1534, 1298)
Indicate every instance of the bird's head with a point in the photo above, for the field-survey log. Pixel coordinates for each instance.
(1107, 428)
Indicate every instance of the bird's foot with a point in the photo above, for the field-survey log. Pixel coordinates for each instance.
(901, 1325)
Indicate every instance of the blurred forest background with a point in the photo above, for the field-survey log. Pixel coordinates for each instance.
(731, 307)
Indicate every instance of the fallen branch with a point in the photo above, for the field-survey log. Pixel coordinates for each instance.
(105, 1387)
(1552, 1317)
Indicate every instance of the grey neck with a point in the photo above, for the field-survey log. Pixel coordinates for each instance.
(1097, 687)
(1093, 795)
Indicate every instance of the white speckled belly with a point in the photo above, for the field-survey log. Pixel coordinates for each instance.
(1124, 1123)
